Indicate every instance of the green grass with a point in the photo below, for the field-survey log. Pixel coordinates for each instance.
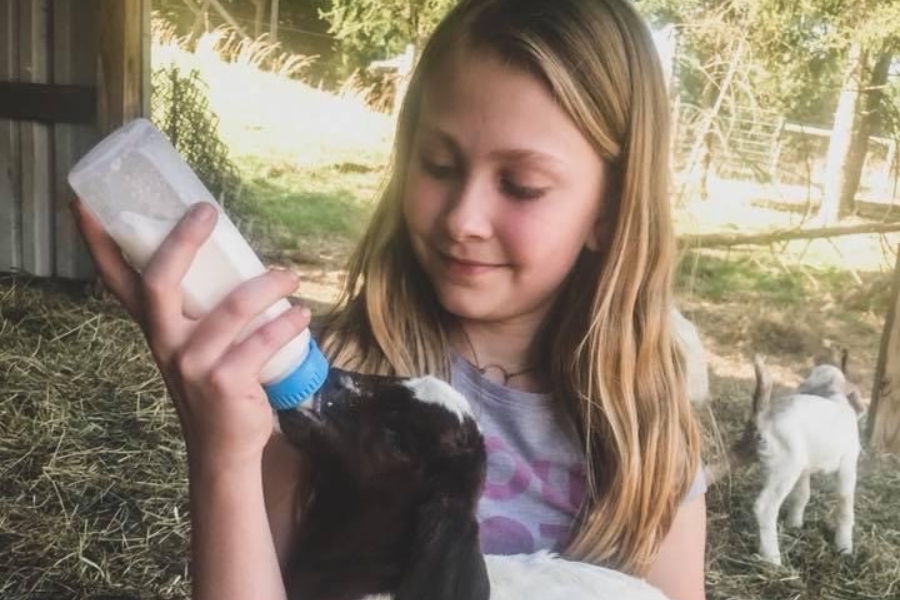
(289, 203)
(717, 276)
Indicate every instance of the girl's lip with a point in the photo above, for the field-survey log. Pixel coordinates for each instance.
(467, 264)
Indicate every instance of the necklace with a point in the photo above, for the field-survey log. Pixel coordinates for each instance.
(492, 366)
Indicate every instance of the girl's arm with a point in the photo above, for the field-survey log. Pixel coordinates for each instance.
(285, 477)
(232, 549)
(213, 379)
(679, 567)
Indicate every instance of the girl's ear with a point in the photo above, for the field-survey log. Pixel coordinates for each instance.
(598, 237)
(601, 234)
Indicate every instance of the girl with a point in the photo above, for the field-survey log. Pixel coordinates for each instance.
(523, 249)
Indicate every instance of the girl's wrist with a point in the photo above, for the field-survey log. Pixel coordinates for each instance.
(215, 470)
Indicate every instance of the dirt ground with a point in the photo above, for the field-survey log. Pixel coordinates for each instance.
(96, 494)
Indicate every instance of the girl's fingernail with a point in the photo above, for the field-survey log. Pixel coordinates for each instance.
(289, 274)
(202, 212)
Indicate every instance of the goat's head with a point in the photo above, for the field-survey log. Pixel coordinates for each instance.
(826, 379)
(398, 469)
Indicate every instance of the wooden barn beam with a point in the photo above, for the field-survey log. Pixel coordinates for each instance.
(48, 103)
(884, 412)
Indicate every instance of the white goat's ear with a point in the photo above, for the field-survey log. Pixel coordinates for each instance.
(446, 562)
(851, 390)
(762, 393)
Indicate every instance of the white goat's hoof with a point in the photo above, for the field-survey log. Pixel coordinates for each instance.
(844, 543)
(774, 559)
(845, 549)
(795, 522)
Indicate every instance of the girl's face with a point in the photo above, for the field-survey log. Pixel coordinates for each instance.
(502, 191)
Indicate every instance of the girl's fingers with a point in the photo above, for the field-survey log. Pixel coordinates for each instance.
(247, 358)
(216, 332)
(170, 263)
(119, 277)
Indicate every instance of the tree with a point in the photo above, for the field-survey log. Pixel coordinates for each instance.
(884, 419)
(802, 59)
(872, 33)
(372, 29)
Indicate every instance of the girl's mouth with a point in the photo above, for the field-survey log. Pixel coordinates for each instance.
(460, 266)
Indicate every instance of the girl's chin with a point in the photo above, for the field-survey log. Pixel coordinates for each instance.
(467, 308)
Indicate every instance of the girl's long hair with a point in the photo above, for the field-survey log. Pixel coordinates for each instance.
(610, 352)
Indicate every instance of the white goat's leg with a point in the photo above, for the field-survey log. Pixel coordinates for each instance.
(799, 500)
(843, 535)
(779, 483)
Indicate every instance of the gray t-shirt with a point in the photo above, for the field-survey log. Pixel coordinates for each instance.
(535, 480)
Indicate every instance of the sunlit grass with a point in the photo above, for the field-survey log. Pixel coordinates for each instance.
(265, 114)
(742, 207)
(294, 202)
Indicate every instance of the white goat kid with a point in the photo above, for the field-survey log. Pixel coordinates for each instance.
(812, 430)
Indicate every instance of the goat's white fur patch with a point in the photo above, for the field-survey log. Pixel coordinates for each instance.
(436, 391)
(822, 378)
(276, 424)
(550, 577)
(348, 384)
(553, 578)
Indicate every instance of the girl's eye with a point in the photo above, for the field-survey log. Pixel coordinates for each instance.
(438, 170)
(520, 192)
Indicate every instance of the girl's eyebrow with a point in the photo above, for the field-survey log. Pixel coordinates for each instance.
(440, 135)
(528, 155)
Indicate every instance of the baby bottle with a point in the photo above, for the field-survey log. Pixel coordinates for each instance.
(138, 186)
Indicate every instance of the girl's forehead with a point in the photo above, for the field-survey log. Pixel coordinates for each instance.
(470, 70)
(483, 102)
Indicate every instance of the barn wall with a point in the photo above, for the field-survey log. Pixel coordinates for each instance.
(102, 45)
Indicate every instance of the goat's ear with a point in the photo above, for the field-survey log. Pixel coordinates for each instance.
(446, 561)
(845, 355)
(762, 394)
(854, 397)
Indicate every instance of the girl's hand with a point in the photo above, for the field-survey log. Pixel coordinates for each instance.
(225, 417)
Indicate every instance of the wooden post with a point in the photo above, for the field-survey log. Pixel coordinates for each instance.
(884, 413)
(74, 52)
(273, 21)
(37, 194)
(777, 136)
(10, 175)
(121, 60)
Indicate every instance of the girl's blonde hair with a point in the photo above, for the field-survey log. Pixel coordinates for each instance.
(610, 353)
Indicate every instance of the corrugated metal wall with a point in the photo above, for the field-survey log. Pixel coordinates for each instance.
(49, 42)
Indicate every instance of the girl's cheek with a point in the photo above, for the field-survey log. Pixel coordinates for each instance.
(424, 196)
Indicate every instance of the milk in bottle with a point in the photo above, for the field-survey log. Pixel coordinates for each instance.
(138, 186)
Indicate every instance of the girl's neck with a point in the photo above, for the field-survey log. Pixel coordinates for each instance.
(505, 353)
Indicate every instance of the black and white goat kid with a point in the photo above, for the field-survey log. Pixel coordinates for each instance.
(398, 469)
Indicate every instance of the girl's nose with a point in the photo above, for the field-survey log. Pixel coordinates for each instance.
(468, 211)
